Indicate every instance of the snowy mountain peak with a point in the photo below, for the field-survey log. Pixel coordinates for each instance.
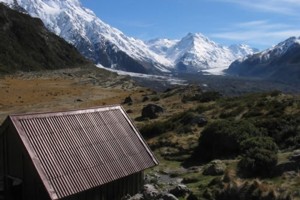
(93, 38)
(280, 62)
(241, 50)
(161, 46)
(196, 35)
(280, 49)
(108, 46)
(197, 38)
(195, 52)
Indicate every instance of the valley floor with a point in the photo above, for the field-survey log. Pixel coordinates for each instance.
(61, 90)
(173, 135)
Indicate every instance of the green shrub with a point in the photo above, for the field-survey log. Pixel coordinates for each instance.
(187, 118)
(259, 156)
(155, 98)
(202, 97)
(201, 108)
(284, 130)
(209, 96)
(275, 93)
(254, 112)
(153, 129)
(232, 113)
(222, 139)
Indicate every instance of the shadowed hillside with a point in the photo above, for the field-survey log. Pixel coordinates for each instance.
(27, 45)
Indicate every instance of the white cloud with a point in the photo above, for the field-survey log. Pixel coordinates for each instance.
(286, 7)
(261, 33)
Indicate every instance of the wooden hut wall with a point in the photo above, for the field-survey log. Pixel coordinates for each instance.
(1, 154)
(19, 167)
(13, 155)
(33, 187)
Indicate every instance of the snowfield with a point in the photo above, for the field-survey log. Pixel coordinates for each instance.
(169, 79)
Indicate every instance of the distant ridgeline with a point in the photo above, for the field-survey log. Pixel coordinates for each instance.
(26, 45)
(281, 63)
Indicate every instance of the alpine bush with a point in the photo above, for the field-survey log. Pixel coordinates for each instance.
(222, 139)
(259, 156)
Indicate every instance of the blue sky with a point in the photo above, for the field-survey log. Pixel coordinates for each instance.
(258, 23)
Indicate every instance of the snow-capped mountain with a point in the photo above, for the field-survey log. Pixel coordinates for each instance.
(195, 52)
(92, 37)
(109, 47)
(161, 46)
(279, 50)
(281, 62)
(242, 50)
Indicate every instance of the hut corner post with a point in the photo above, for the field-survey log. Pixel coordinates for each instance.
(5, 163)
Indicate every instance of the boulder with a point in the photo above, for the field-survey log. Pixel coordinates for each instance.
(214, 168)
(199, 120)
(150, 192)
(128, 100)
(135, 197)
(180, 190)
(167, 196)
(126, 197)
(151, 111)
(295, 156)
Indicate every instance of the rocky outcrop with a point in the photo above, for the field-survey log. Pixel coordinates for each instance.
(231, 187)
(214, 168)
(150, 192)
(167, 196)
(295, 156)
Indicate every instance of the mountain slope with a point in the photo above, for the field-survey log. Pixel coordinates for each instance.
(27, 45)
(93, 38)
(195, 53)
(242, 50)
(108, 46)
(161, 46)
(282, 62)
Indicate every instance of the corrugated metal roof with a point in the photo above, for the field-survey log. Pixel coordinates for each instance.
(78, 150)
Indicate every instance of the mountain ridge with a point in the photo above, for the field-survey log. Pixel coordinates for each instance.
(281, 62)
(195, 53)
(95, 39)
(108, 46)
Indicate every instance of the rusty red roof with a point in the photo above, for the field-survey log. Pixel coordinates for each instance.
(78, 150)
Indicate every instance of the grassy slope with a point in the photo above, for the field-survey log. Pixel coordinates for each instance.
(82, 88)
(174, 146)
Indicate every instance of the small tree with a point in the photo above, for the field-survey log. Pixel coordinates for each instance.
(222, 139)
(259, 156)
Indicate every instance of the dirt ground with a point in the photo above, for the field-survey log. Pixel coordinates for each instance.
(61, 90)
